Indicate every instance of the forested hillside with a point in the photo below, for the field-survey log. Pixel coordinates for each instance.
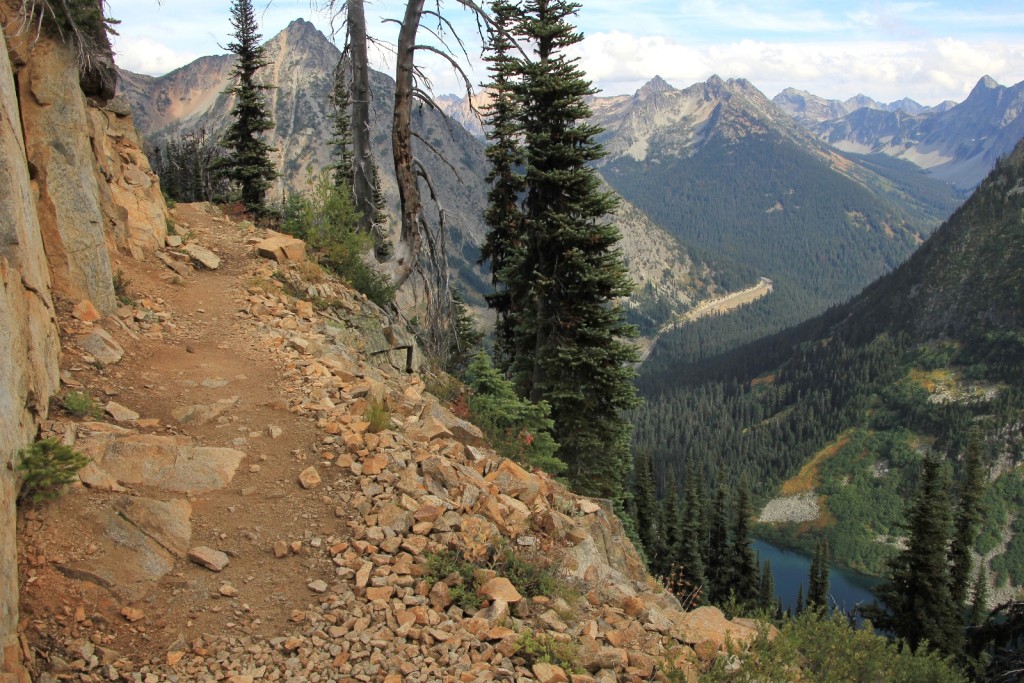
(846, 404)
(752, 192)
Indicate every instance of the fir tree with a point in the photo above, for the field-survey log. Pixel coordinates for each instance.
(917, 602)
(979, 602)
(799, 599)
(670, 529)
(692, 533)
(644, 499)
(503, 217)
(743, 567)
(767, 591)
(968, 516)
(718, 572)
(571, 345)
(248, 162)
(817, 587)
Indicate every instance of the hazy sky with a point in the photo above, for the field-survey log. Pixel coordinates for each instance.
(928, 51)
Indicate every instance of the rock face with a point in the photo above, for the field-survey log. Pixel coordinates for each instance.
(26, 322)
(74, 183)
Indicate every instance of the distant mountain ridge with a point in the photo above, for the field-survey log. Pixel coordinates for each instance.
(955, 143)
(302, 64)
(739, 179)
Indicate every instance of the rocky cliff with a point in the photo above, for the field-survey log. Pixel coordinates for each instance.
(74, 189)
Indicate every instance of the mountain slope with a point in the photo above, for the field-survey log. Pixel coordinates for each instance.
(843, 406)
(302, 62)
(731, 174)
(958, 145)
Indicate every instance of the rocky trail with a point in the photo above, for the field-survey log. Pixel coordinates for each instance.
(242, 520)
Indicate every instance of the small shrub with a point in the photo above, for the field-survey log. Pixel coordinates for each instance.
(121, 284)
(516, 428)
(379, 417)
(46, 466)
(442, 565)
(530, 576)
(543, 648)
(81, 405)
(447, 388)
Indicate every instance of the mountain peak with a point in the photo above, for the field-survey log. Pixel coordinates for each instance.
(987, 82)
(654, 86)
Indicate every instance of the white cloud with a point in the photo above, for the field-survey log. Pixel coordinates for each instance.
(927, 71)
(147, 56)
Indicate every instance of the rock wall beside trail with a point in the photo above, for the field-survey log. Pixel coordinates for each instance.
(74, 186)
(28, 333)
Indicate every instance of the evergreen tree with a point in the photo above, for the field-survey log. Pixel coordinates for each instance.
(341, 128)
(743, 566)
(248, 162)
(799, 599)
(503, 217)
(979, 603)
(968, 516)
(767, 592)
(718, 571)
(917, 602)
(817, 590)
(646, 505)
(670, 529)
(570, 344)
(692, 534)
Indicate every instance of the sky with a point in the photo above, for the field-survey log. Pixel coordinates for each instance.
(929, 51)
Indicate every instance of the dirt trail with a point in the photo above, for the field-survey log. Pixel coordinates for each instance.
(195, 347)
(718, 306)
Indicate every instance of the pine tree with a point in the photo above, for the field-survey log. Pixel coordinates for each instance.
(799, 599)
(503, 217)
(767, 592)
(718, 571)
(968, 516)
(692, 534)
(670, 529)
(570, 338)
(743, 563)
(817, 590)
(248, 162)
(644, 497)
(979, 603)
(917, 602)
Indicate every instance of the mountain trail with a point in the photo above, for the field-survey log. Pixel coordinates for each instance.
(243, 520)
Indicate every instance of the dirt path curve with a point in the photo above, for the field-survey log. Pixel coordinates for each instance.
(193, 345)
(718, 306)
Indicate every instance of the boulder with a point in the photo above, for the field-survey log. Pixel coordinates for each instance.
(101, 346)
(282, 248)
(201, 255)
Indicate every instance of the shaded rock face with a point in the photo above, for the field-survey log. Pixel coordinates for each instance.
(73, 184)
(55, 120)
(27, 323)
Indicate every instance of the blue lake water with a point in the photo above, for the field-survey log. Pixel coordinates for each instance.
(791, 569)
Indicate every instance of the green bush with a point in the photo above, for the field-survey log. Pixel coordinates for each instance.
(326, 219)
(81, 405)
(812, 647)
(515, 427)
(46, 466)
(379, 417)
(543, 648)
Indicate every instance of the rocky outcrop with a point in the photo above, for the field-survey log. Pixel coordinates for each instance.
(73, 185)
(28, 334)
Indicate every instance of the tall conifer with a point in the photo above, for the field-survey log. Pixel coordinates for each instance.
(690, 556)
(718, 567)
(745, 577)
(248, 162)
(503, 216)
(968, 516)
(571, 345)
(918, 604)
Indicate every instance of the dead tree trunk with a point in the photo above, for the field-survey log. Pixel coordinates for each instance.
(401, 145)
(362, 157)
